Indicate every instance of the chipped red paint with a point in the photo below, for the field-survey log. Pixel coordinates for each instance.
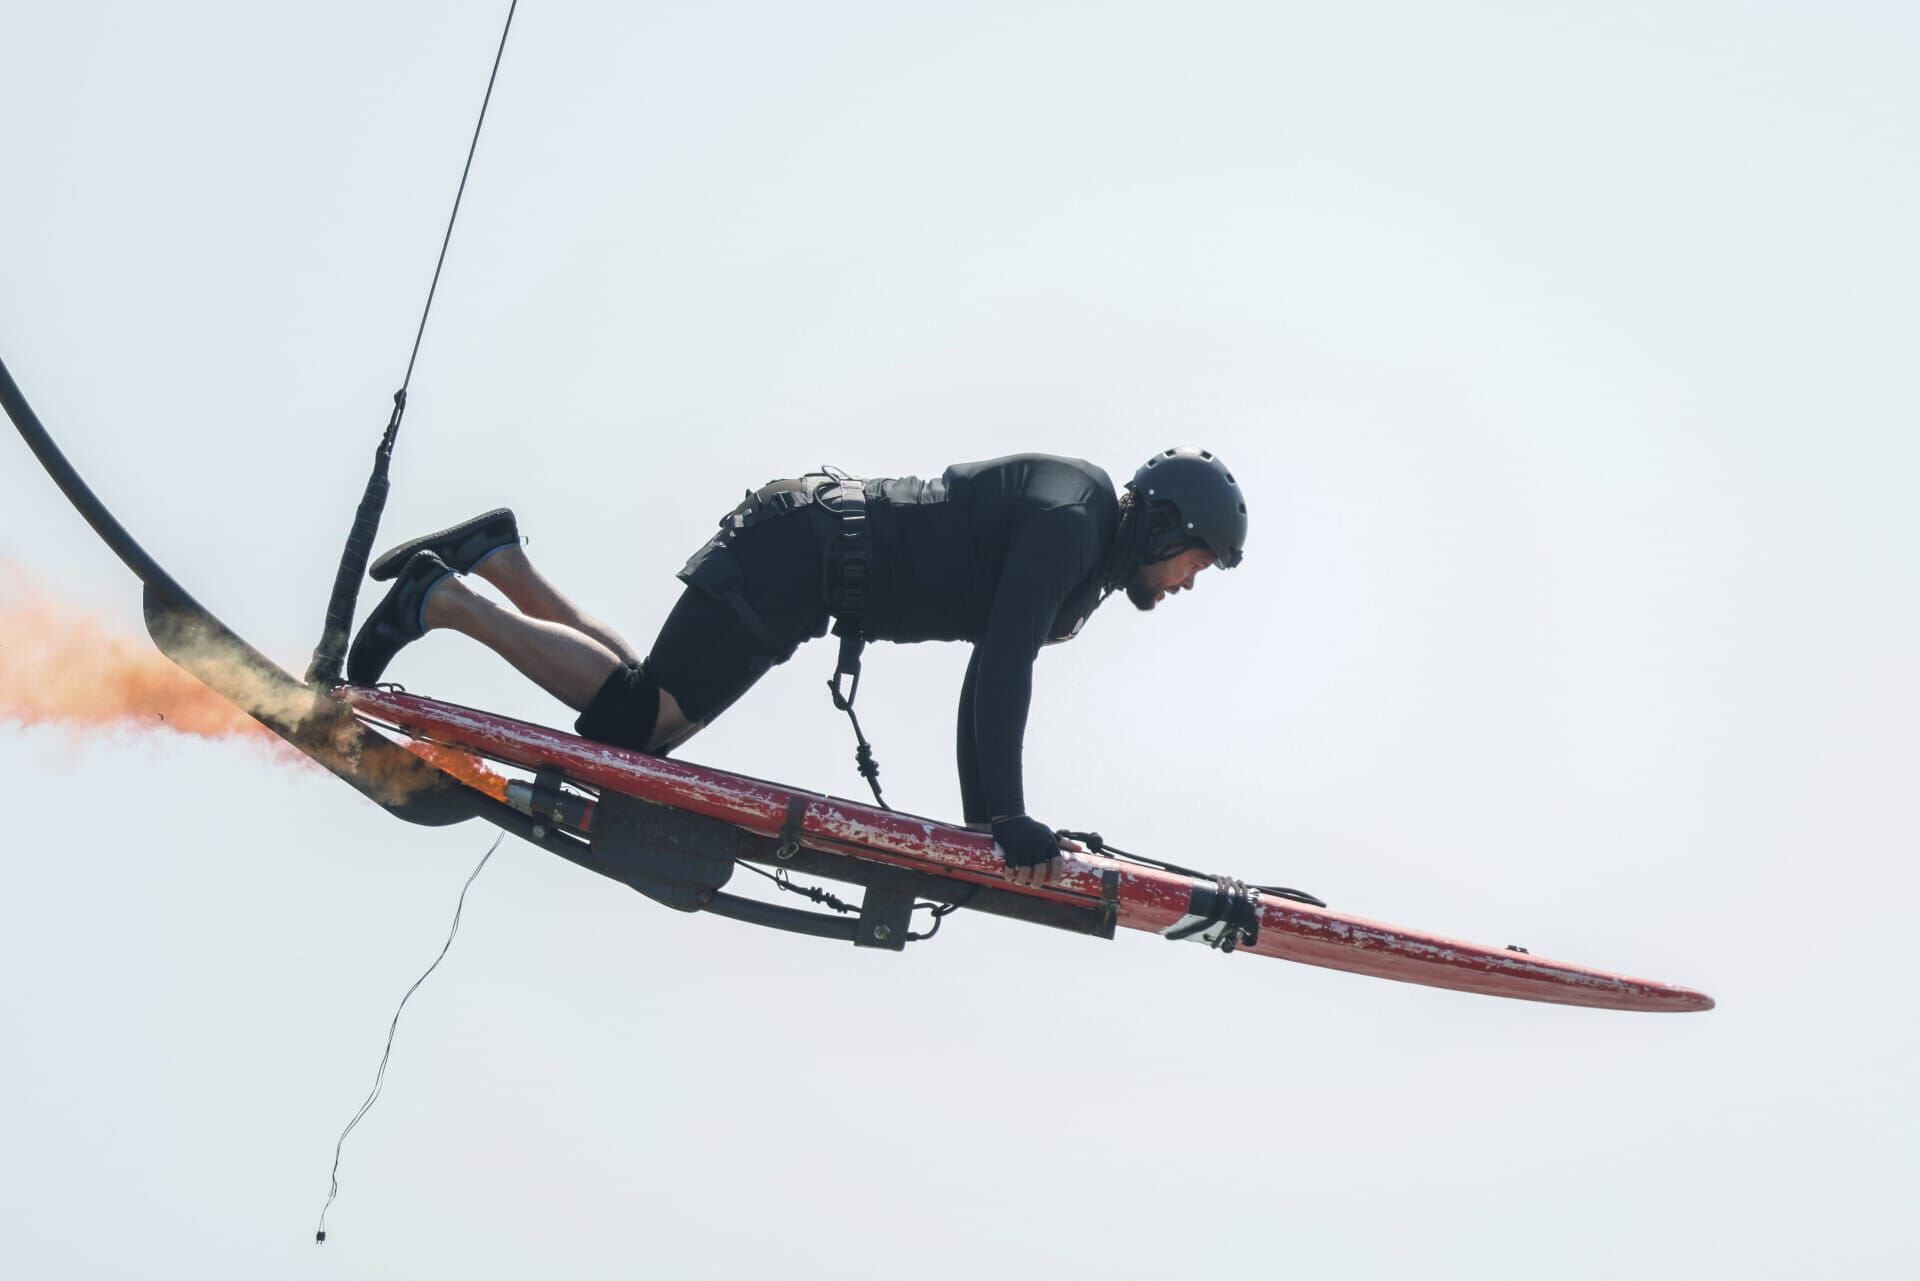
(1148, 898)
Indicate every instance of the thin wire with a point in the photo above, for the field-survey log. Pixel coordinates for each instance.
(448, 238)
(818, 894)
(1095, 842)
(380, 1077)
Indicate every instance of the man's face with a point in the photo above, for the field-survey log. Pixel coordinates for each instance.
(1153, 583)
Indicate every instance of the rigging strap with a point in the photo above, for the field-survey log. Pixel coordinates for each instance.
(791, 829)
(1235, 904)
(1232, 905)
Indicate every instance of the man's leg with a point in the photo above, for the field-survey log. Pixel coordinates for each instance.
(569, 663)
(703, 651)
(513, 573)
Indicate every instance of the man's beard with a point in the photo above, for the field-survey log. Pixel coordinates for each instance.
(1139, 593)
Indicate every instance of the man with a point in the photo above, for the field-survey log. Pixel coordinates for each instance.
(1009, 554)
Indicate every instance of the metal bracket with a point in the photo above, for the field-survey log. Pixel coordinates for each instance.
(791, 830)
(884, 919)
(1106, 917)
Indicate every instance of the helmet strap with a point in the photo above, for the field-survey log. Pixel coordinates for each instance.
(1129, 543)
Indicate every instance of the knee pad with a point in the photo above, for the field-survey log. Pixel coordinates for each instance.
(625, 710)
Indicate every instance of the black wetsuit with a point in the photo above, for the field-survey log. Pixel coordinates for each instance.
(1009, 554)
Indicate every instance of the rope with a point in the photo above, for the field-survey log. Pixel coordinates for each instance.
(863, 757)
(380, 1076)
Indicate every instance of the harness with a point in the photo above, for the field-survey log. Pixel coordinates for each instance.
(847, 577)
(848, 565)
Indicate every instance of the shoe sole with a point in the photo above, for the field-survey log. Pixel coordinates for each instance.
(393, 561)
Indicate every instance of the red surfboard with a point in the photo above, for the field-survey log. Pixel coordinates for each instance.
(650, 811)
(1128, 894)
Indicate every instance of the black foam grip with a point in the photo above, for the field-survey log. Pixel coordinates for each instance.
(327, 658)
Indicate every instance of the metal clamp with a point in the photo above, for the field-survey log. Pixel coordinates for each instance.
(790, 830)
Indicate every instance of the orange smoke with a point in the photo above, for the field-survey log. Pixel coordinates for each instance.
(62, 667)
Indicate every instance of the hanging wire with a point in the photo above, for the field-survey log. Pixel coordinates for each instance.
(380, 1076)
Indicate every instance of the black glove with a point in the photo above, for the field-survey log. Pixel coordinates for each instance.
(1025, 842)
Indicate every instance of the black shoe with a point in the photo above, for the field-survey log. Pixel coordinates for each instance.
(397, 620)
(462, 546)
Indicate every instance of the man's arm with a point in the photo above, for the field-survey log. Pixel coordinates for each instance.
(1047, 558)
(973, 803)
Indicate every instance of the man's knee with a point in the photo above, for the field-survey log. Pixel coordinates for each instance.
(626, 711)
(673, 727)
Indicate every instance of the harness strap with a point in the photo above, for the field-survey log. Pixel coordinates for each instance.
(849, 571)
(722, 579)
(750, 617)
(756, 508)
(791, 830)
(850, 555)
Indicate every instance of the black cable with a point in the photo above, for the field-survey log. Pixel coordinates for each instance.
(863, 757)
(825, 897)
(448, 238)
(330, 654)
(818, 894)
(940, 912)
(1098, 845)
(380, 1076)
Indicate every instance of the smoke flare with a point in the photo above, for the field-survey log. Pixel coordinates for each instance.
(61, 667)
(64, 668)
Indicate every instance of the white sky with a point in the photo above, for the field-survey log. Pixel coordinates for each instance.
(1566, 353)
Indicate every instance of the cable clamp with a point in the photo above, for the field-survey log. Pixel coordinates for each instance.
(791, 829)
(1233, 907)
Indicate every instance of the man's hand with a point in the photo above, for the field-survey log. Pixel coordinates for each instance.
(1032, 851)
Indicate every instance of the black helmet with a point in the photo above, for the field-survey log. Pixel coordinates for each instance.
(1211, 509)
